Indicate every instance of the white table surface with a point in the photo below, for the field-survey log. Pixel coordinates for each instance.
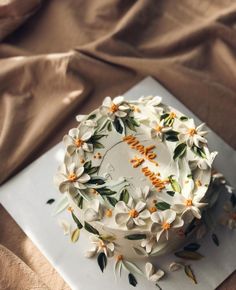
(25, 196)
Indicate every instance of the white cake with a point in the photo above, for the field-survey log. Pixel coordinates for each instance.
(136, 175)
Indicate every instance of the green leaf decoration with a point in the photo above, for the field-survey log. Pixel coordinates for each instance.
(129, 125)
(75, 235)
(192, 247)
(113, 201)
(134, 122)
(98, 145)
(215, 239)
(118, 126)
(96, 181)
(80, 202)
(140, 251)
(102, 261)
(162, 205)
(109, 126)
(183, 118)
(124, 196)
(132, 280)
(105, 191)
(188, 255)
(189, 272)
(134, 237)
(180, 151)
(198, 151)
(92, 170)
(171, 193)
(50, 201)
(87, 165)
(174, 184)
(91, 117)
(76, 220)
(90, 229)
(164, 116)
(97, 137)
(172, 138)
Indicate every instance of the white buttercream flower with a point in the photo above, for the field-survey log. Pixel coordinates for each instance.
(188, 200)
(164, 221)
(92, 213)
(203, 163)
(152, 103)
(114, 108)
(192, 135)
(77, 139)
(152, 274)
(149, 243)
(99, 245)
(158, 129)
(131, 216)
(70, 177)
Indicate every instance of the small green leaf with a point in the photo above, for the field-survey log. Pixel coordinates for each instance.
(102, 261)
(113, 201)
(97, 137)
(75, 235)
(124, 196)
(189, 272)
(105, 191)
(109, 126)
(162, 205)
(129, 125)
(174, 184)
(91, 117)
(192, 247)
(90, 229)
(87, 165)
(50, 201)
(171, 193)
(172, 138)
(98, 145)
(92, 170)
(118, 126)
(183, 118)
(76, 220)
(215, 239)
(80, 202)
(164, 116)
(189, 255)
(199, 151)
(134, 237)
(132, 280)
(180, 151)
(96, 181)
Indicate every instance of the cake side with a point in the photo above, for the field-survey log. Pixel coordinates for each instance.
(136, 174)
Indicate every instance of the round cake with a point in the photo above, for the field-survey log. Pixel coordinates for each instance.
(136, 174)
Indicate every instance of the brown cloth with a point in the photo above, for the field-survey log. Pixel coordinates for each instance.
(60, 58)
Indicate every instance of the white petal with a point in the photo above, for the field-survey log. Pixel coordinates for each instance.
(118, 100)
(146, 190)
(121, 218)
(67, 140)
(157, 217)
(104, 110)
(144, 214)
(87, 147)
(158, 234)
(120, 114)
(149, 269)
(130, 223)
(86, 135)
(80, 118)
(65, 226)
(63, 187)
(196, 212)
(139, 222)
(71, 149)
(74, 132)
(169, 215)
(107, 102)
(121, 207)
(187, 188)
(140, 206)
(91, 253)
(84, 178)
(153, 124)
(179, 208)
(157, 276)
(177, 223)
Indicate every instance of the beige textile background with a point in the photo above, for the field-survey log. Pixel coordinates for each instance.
(59, 58)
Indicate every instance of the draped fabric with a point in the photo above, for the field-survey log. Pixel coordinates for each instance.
(60, 58)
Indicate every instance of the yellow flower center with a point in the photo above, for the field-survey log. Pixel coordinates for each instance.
(113, 108)
(133, 213)
(119, 257)
(152, 209)
(192, 131)
(188, 202)
(165, 226)
(172, 115)
(109, 212)
(72, 177)
(78, 142)
(158, 128)
(70, 209)
(198, 183)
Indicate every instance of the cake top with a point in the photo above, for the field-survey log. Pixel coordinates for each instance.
(137, 166)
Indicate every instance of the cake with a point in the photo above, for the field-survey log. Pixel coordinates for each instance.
(136, 175)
